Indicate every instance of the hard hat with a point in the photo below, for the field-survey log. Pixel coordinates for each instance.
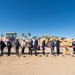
(16, 38)
(36, 37)
(50, 39)
(74, 40)
(30, 37)
(59, 38)
(23, 38)
(43, 38)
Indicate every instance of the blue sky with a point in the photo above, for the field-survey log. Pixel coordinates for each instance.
(53, 17)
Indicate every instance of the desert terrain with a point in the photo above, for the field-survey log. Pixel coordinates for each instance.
(35, 65)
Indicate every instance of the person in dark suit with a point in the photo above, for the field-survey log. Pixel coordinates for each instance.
(9, 47)
(2, 46)
(17, 44)
(36, 45)
(58, 46)
(30, 45)
(43, 46)
(73, 45)
(52, 46)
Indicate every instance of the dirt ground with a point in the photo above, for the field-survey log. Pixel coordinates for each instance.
(35, 65)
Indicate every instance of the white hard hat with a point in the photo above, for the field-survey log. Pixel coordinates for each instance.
(16, 38)
(59, 38)
(43, 38)
(74, 40)
(30, 37)
(50, 39)
(23, 38)
(36, 37)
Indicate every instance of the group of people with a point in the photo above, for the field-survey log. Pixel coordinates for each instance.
(66, 49)
(33, 45)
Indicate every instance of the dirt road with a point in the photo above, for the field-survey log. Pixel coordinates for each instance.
(35, 65)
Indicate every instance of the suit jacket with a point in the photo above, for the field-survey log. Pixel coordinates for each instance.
(36, 43)
(43, 43)
(57, 43)
(73, 43)
(51, 43)
(31, 43)
(2, 45)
